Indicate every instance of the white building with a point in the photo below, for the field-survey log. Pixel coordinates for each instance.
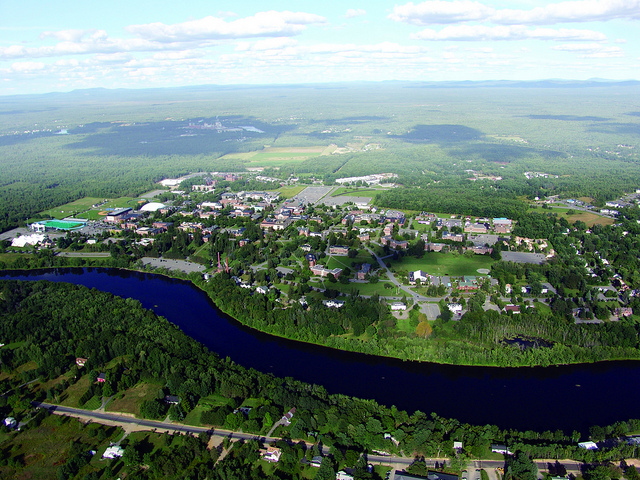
(454, 307)
(398, 306)
(114, 451)
(33, 239)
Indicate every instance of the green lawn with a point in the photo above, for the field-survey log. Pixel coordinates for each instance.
(363, 288)
(436, 263)
(291, 191)
(82, 207)
(130, 400)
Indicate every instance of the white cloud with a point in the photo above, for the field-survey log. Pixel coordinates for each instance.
(481, 32)
(262, 24)
(67, 35)
(268, 44)
(440, 11)
(27, 67)
(443, 12)
(592, 50)
(572, 11)
(355, 12)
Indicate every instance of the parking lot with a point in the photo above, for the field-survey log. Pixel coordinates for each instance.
(311, 195)
(181, 265)
(523, 257)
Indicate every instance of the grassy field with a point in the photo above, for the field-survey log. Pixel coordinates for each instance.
(71, 395)
(42, 449)
(129, 401)
(589, 218)
(291, 190)
(436, 263)
(204, 404)
(82, 207)
(355, 192)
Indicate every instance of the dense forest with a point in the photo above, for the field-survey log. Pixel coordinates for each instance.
(47, 325)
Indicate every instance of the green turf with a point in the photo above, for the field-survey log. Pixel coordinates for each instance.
(436, 263)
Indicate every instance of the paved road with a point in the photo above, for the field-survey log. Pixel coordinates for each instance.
(85, 254)
(125, 421)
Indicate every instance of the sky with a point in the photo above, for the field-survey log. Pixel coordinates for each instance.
(48, 46)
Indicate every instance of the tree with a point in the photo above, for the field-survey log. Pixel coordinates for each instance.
(424, 329)
(522, 467)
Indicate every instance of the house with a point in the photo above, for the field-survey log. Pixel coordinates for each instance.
(512, 308)
(468, 283)
(475, 228)
(497, 448)
(172, 399)
(454, 237)
(333, 303)
(418, 275)
(271, 454)
(457, 446)
(480, 250)
(398, 475)
(402, 244)
(338, 250)
(455, 308)
(316, 461)
(262, 290)
(114, 451)
(323, 272)
(433, 247)
(102, 378)
(588, 445)
(364, 237)
(623, 312)
(10, 423)
(342, 475)
(81, 361)
(364, 271)
(286, 419)
(397, 306)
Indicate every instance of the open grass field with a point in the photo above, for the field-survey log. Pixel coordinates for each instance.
(436, 263)
(70, 209)
(71, 395)
(356, 192)
(9, 258)
(44, 448)
(365, 289)
(130, 400)
(82, 207)
(291, 190)
(278, 156)
(589, 218)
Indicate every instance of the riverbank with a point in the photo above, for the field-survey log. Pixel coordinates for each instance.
(442, 351)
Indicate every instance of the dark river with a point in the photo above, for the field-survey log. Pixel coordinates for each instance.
(568, 398)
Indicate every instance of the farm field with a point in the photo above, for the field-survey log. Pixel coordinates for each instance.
(436, 263)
